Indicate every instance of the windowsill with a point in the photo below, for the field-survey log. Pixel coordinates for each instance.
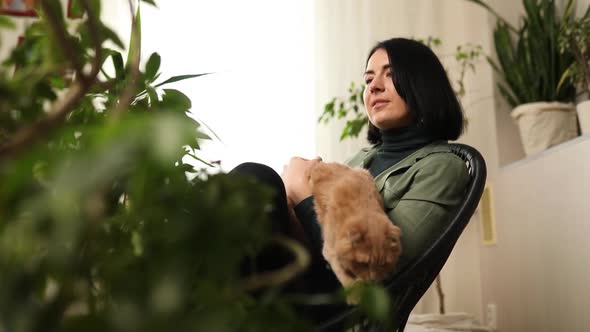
(531, 159)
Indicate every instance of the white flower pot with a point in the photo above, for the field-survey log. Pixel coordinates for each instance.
(543, 125)
(583, 110)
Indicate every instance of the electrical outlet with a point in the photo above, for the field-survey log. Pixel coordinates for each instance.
(492, 316)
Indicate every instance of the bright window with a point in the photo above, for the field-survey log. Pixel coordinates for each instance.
(260, 100)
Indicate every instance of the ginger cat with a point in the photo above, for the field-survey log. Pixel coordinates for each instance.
(360, 241)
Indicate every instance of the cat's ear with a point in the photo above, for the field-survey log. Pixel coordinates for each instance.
(356, 237)
(393, 242)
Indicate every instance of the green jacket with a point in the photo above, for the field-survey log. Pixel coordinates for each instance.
(419, 193)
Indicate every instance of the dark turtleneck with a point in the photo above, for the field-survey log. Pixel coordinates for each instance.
(397, 144)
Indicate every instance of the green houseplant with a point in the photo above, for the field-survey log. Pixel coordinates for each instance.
(100, 227)
(575, 37)
(530, 64)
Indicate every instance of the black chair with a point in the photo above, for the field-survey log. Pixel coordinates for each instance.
(409, 284)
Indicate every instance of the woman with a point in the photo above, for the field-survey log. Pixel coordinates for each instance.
(413, 112)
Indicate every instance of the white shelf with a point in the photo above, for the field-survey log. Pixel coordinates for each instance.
(544, 154)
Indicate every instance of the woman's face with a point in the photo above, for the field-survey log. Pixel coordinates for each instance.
(385, 108)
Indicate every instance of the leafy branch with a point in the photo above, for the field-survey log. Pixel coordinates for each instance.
(575, 37)
(25, 137)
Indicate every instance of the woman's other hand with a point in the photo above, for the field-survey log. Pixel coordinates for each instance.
(295, 175)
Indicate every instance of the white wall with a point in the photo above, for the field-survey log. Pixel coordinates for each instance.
(537, 273)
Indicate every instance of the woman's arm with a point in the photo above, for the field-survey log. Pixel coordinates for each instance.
(307, 217)
(295, 176)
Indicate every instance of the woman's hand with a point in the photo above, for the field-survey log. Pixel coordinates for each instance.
(295, 175)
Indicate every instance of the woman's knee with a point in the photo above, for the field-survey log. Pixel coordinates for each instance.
(267, 176)
(260, 172)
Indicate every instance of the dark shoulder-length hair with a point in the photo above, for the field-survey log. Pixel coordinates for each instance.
(422, 82)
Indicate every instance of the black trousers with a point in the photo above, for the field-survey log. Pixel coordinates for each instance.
(279, 215)
(318, 278)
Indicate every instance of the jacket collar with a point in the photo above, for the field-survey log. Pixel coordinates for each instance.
(409, 161)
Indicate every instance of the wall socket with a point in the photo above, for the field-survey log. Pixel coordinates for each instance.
(492, 316)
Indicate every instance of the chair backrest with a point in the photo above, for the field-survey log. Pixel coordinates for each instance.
(410, 283)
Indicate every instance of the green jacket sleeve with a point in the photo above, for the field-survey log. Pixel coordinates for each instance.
(422, 199)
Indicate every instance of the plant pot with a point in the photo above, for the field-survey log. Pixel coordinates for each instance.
(583, 110)
(543, 125)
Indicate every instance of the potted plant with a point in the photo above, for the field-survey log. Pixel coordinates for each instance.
(531, 64)
(575, 37)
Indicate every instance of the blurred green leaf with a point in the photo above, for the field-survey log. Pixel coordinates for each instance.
(152, 66)
(174, 99)
(109, 34)
(135, 38)
(151, 2)
(118, 64)
(179, 78)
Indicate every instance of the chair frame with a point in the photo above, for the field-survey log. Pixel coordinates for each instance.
(409, 284)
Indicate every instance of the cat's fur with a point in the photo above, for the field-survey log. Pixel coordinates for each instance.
(360, 241)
